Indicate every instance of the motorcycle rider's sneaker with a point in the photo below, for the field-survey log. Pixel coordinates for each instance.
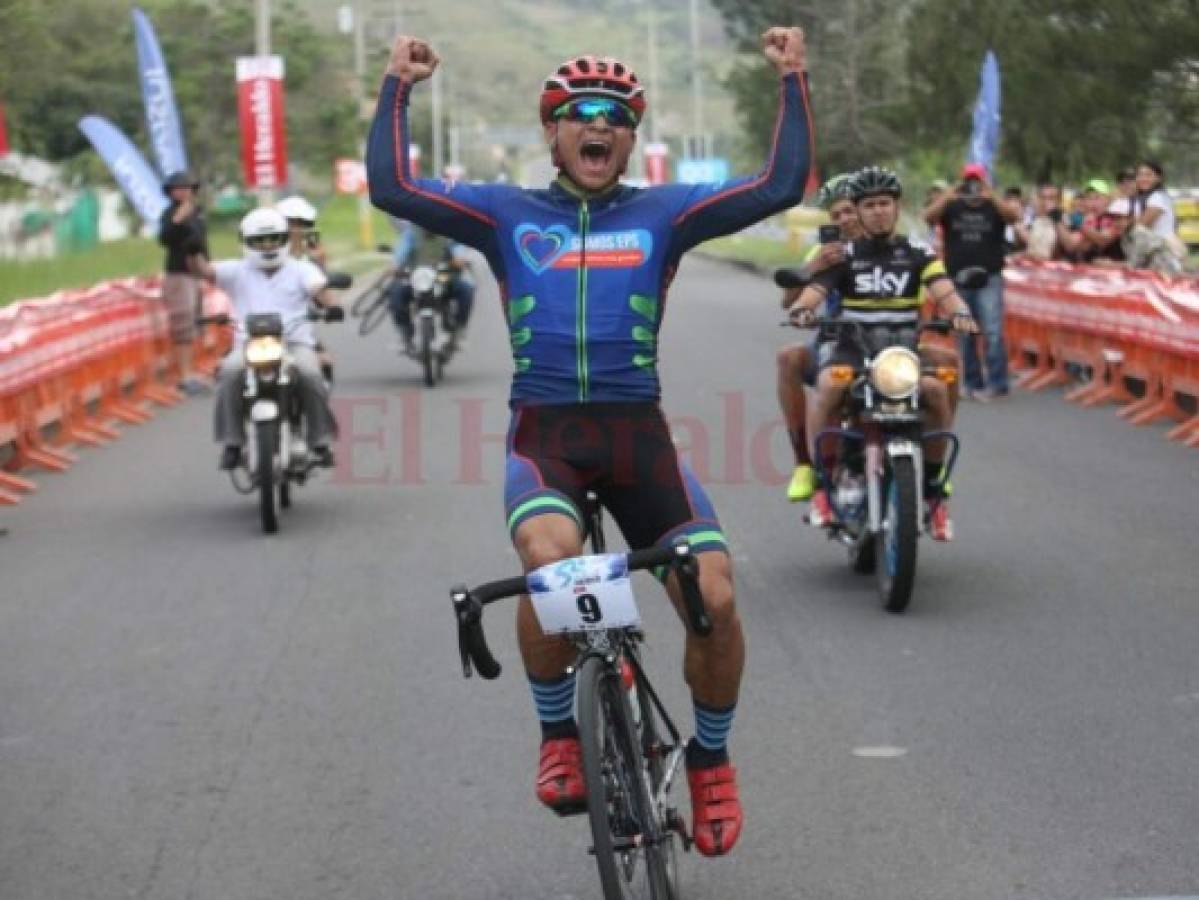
(803, 483)
(715, 806)
(322, 455)
(560, 784)
(940, 525)
(820, 512)
(230, 458)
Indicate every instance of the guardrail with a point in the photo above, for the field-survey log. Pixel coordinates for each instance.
(1126, 328)
(75, 365)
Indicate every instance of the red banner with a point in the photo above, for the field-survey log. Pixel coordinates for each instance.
(3, 133)
(260, 113)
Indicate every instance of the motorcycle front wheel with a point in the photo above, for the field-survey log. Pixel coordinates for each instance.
(896, 545)
(428, 357)
(266, 436)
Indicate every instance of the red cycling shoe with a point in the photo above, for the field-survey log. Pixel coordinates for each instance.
(560, 784)
(716, 809)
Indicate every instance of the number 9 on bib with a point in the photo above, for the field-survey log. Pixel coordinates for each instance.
(584, 593)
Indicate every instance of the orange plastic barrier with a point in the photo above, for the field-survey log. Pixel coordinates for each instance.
(74, 364)
(1125, 326)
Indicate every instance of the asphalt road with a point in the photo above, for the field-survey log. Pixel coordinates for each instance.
(192, 711)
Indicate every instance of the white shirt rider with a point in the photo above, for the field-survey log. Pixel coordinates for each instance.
(286, 290)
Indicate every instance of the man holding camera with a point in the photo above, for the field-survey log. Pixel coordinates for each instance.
(973, 221)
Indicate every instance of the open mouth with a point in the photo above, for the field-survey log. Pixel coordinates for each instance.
(595, 155)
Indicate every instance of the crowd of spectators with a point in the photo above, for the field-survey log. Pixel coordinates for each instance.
(1129, 222)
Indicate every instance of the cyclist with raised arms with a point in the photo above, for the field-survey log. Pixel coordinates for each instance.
(583, 268)
(799, 362)
(882, 283)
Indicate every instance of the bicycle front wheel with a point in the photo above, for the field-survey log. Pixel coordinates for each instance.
(628, 839)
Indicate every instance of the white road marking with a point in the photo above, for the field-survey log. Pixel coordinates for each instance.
(883, 752)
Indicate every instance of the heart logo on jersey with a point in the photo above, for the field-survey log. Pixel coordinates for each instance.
(541, 249)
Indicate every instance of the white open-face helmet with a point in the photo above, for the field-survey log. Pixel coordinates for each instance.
(264, 238)
(296, 207)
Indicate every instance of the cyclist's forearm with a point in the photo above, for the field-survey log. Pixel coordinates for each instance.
(777, 187)
(464, 216)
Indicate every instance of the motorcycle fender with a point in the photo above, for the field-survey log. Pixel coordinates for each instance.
(264, 410)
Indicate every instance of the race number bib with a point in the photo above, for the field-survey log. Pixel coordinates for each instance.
(584, 593)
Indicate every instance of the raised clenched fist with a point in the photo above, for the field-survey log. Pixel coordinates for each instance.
(786, 49)
(412, 59)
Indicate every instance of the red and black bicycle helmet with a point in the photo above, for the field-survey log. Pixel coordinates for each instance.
(592, 76)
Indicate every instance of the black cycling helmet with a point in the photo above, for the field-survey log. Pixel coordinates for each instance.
(180, 179)
(836, 188)
(873, 181)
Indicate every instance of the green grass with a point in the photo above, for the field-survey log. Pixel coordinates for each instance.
(760, 251)
(135, 256)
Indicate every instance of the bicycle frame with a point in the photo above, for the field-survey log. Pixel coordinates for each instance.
(610, 646)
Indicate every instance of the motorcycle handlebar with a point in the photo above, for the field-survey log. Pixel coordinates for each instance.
(469, 602)
(941, 326)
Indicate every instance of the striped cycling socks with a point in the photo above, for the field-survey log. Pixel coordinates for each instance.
(554, 700)
(709, 747)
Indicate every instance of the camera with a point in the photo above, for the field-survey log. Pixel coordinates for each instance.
(1055, 215)
(828, 234)
(972, 187)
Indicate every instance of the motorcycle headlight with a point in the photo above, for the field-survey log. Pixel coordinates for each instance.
(423, 279)
(261, 351)
(896, 373)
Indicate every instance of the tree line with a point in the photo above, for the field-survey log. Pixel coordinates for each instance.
(63, 60)
(1088, 85)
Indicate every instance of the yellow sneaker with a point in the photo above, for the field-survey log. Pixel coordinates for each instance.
(803, 483)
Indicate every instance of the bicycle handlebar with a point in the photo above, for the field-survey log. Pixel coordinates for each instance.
(469, 603)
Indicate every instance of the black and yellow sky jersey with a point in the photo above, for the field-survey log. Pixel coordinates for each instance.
(882, 282)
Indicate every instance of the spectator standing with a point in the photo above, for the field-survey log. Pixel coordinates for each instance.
(1101, 228)
(1042, 234)
(1152, 243)
(183, 233)
(1020, 213)
(933, 236)
(973, 221)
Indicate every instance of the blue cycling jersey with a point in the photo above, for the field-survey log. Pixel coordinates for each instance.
(584, 279)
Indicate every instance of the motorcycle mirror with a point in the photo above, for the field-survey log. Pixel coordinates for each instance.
(339, 281)
(792, 278)
(972, 278)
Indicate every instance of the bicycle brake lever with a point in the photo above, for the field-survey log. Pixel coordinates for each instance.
(461, 599)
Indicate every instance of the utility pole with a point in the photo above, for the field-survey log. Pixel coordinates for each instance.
(262, 28)
(697, 86)
(654, 91)
(438, 122)
(262, 48)
(365, 231)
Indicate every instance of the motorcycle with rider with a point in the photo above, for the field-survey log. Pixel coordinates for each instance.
(880, 426)
(272, 378)
(431, 298)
